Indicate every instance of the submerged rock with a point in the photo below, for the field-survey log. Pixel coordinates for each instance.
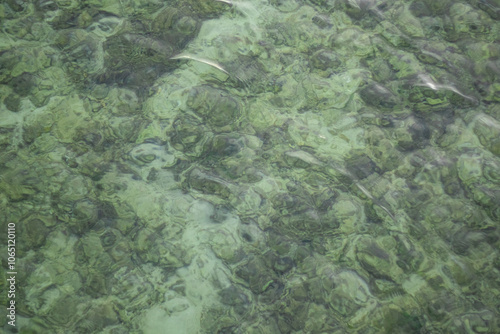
(217, 107)
(488, 131)
(227, 166)
(378, 96)
(208, 184)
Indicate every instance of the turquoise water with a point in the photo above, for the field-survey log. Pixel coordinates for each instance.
(250, 166)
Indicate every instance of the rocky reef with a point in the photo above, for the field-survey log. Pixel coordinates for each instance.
(218, 166)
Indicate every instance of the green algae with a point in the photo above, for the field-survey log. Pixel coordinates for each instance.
(341, 174)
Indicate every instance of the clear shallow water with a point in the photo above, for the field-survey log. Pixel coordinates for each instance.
(254, 167)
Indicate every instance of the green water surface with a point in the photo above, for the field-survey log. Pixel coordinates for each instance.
(246, 166)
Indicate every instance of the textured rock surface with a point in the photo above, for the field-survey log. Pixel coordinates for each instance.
(240, 167)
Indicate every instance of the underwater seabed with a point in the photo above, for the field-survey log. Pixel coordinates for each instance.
(213, 166)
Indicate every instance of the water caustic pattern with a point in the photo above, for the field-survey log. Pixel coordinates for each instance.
(281, 166)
